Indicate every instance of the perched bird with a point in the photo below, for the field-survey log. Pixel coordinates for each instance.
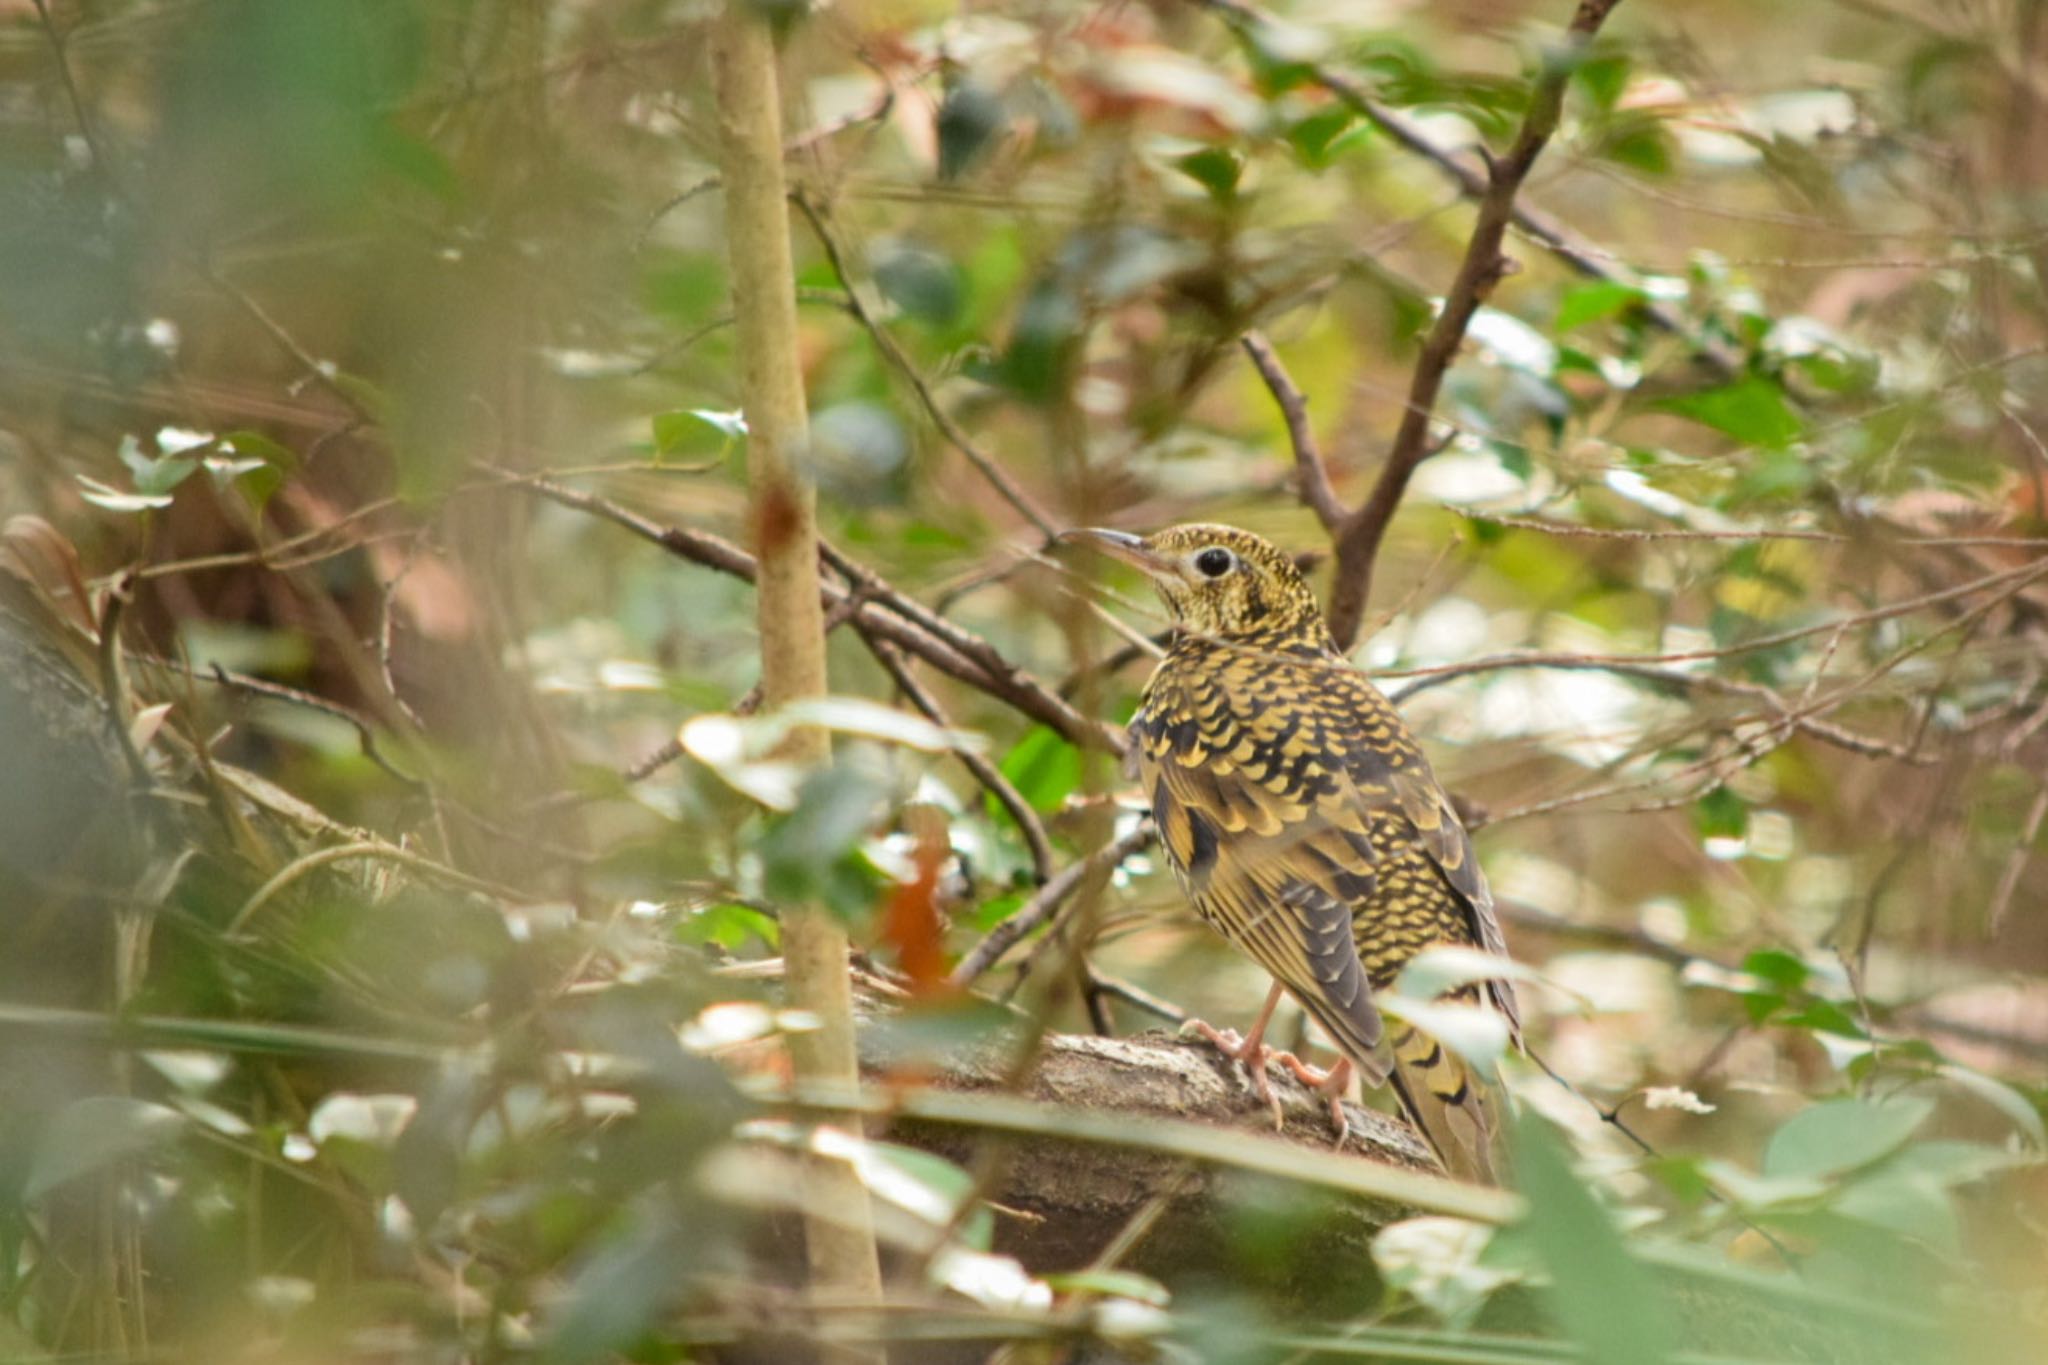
(1304, 824)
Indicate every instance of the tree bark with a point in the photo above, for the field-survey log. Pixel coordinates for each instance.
(839, 1237)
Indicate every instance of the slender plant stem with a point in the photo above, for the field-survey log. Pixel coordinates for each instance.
(838, 1231)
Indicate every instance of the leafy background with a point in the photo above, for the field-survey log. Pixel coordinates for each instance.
(332, 335)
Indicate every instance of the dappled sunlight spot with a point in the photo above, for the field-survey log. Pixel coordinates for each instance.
(1590, 717)
(1469, 476)
(373, 1119)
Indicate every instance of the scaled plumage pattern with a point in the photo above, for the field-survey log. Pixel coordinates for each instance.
(1304, 823)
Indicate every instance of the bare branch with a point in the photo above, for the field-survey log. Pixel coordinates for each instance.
(890, 616)
(1483, 267)
(1548, 231)
(1311, 473)
(1041, 908)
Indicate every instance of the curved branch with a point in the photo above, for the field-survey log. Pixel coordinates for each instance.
(1482, 268)
(1311, 473)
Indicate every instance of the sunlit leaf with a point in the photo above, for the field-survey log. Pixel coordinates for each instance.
(1752, 410)
(1043, 767)
(1601, 1295)
(1840, 1135)
(1435, 971)
(114, 500)
(1478, 1034)
(93, 1133)
(1438, 1261)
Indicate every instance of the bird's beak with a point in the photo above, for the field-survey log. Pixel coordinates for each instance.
(1122, 545)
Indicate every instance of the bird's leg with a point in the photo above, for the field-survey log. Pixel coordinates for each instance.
(1332, 1085)
(1249, 1051)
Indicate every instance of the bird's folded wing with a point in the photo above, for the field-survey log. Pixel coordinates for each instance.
(1280, 882)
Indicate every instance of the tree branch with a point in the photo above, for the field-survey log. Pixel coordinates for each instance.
(888, 615)
(1481, 269)
(1545, 229)
(1042, 907)
(1312, 475)
(839, 1235)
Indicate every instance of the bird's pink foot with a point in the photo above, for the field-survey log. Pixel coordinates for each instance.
(1250, 1053)
(1332, 1085)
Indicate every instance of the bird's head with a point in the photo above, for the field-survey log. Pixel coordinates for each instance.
(1219, 581)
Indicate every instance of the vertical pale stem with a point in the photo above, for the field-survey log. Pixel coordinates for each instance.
(838, 1232)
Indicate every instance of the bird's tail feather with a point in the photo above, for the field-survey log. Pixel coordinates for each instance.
(1446, 1103)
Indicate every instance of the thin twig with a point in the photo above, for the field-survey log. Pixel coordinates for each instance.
(1045, 904)
(116, 694)
(986, 773)
(1131, 994)
(998, 478)
(891, 615)
(1312, 474)
(2016, 863)
(876, 111)
(366, 734)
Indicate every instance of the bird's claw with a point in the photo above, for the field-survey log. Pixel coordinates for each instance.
(1251, 1055)
(1330, 1084)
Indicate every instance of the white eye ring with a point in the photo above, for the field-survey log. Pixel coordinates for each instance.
(1214, 562)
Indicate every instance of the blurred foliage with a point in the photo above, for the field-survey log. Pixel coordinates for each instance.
(382, 985)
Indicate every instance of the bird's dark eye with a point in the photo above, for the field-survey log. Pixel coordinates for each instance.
(1215, 561)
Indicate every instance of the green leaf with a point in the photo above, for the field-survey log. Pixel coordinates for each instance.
(1721, 814)
(613, 1298)
(730, 926)
(1122, 1284)
(1752, 410)
(1215, 169)
(1314, 136)
(924, 284)
(1601, 1295)
(1639, 141)
(808, 854)
(1043, 767)
(970, 119)
(1591, 302)
(1778, 967)
(673, 431)
(1841, 1135)
(1603, 78)
(90, 1134)
(1904, 1202)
